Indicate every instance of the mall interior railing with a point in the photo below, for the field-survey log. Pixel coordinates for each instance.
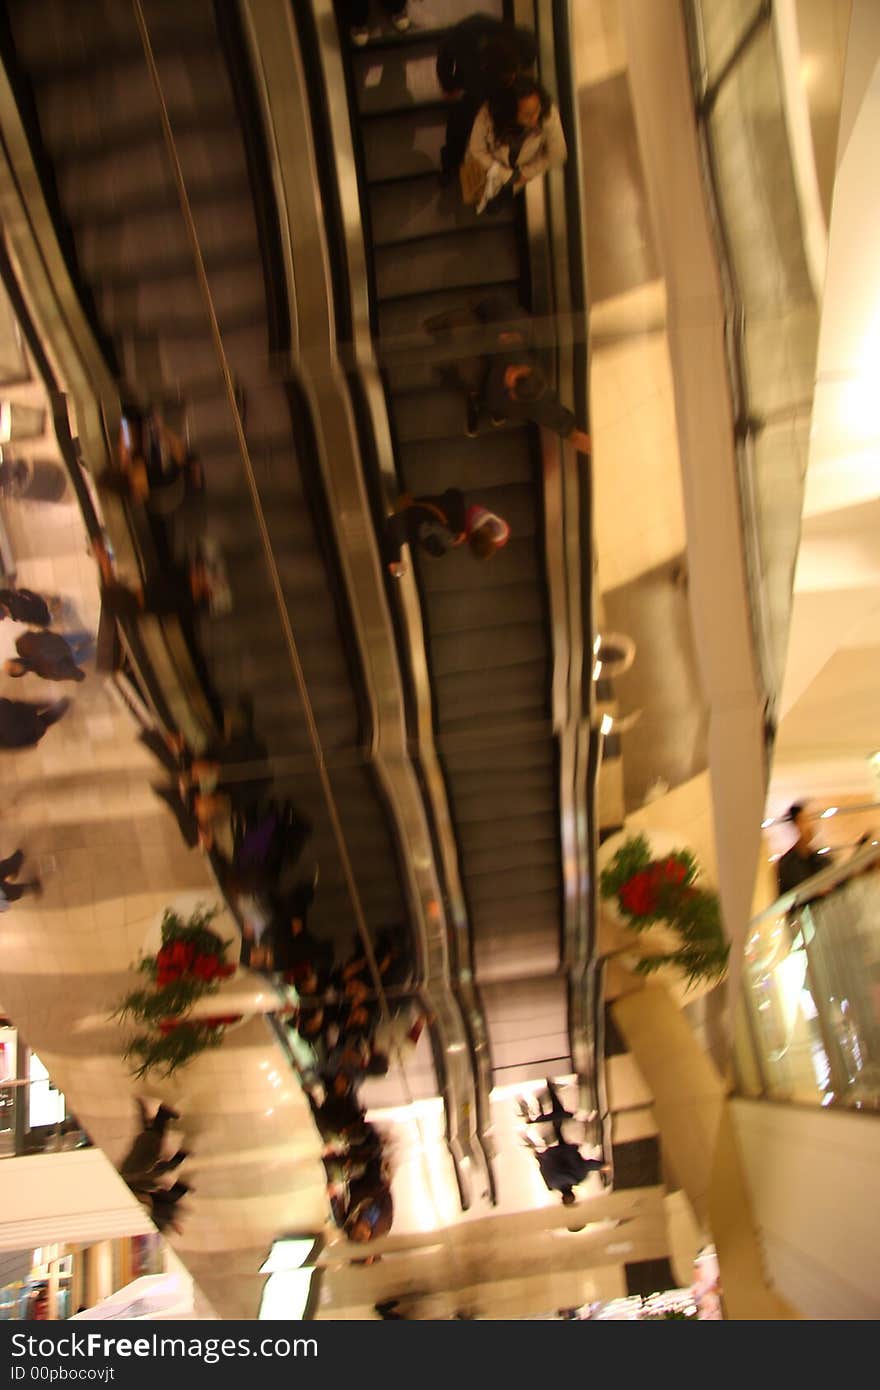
(811, 997)
(772, 311)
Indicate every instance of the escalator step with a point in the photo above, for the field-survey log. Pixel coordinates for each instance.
(146, 243)
(79, 113)
(451, 614)
(487, 259)
(401, 320)
(419, 207)
(131, 137)
(57, 40)
(465, 698)
(159, 306)
(116, 180)
(501, 858)
(520, 565)
(496, 459)
(409, 142)
(396, 77)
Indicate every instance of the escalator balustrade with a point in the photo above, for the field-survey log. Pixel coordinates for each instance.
(487, 631)
(100, 132)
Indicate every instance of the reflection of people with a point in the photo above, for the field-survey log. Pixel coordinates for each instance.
(801, 861)
(555, 1116)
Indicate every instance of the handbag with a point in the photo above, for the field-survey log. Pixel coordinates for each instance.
(473, 180)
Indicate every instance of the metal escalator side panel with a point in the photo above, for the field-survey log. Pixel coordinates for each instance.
(274, 49)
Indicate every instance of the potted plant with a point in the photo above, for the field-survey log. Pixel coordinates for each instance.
(650, 887)
(189, 965)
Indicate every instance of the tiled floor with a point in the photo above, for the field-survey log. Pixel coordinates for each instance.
(111, 858)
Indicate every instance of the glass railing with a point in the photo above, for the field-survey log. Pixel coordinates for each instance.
(772, 311)
(812, 991)
(34, 1119)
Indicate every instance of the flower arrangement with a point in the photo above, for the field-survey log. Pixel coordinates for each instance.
(652, 890)
(189, 965)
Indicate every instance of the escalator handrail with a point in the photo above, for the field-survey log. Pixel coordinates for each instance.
(408, 613)
(558, 251)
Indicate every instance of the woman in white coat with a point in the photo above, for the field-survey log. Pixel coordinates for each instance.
(517, 136)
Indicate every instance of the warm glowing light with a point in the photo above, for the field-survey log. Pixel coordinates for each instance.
(607, 724)
(831, 811)
(597, 670)
(597, 645)
(824, 850)
(765, 824)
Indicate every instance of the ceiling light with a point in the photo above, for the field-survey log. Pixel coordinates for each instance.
(824, 850)
(765, 824)
(827, 814)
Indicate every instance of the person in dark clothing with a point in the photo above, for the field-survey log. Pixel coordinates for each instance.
(23, 724)
(45, 654)
(11, 892)
(563, 1166)
(441, 523)
(555, 1116)
(498, 370)
(24, 606)
(339, 1113)
(153, 466)
(369, 1211)
(801, 861)
(180, 590)
(163, 1206)
(478, 55)
(290, 947)
(143, 1166)
(143, 1163)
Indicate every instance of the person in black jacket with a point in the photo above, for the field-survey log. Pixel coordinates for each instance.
(23, 724)
(24, 606)
(477, 56)
(801, 861)
(563, 1166)
(45, 654)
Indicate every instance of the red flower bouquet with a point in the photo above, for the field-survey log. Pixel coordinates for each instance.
(190, 963)
(662, 890)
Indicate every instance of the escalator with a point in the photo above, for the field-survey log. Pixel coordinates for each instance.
(80, 75)
(487, 629)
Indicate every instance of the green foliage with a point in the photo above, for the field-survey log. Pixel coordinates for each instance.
(633, 856)
(172, 1000)
(652, 890)
(167, 1052)
(174, 979)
